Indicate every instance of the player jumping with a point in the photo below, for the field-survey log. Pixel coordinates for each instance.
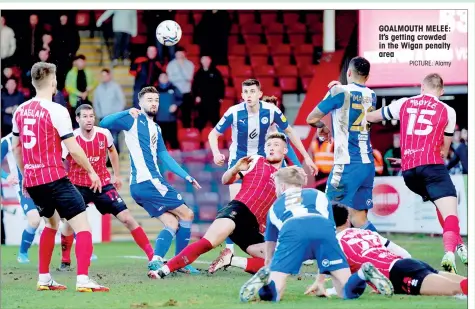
(408, 276)
(39, 127)
(147, 185)
(97, 144)
(299, 228)
(427, 126)
(244, 217)
(352, 176)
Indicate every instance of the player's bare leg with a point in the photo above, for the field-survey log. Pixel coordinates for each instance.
(46, 247)
(451, 236)
(28, 235)
(442, 285)
(84, 248)
(251, 265)
(137, 232)
(219, 230)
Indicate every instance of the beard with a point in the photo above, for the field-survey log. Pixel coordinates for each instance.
(150, 113)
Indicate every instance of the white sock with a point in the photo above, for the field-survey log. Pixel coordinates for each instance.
(82, 278)
(165, 269)
(361, 274)
(238, 261)
(44, 277)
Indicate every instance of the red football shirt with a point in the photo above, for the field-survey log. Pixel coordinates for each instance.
(361, 246)
(258, 189)
(96, 152)
(41, 126)
(424, 122)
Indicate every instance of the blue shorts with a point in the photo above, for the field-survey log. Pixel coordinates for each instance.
(156, 196)
(26, 203)
(304, 238)
(352, 185)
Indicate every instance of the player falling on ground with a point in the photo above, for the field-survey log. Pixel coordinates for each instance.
(39, 127)
(298, 228)
(250, 122)
(427, 126)
(244, 217)
(147, 185)
(97, 144)
(26, 203)
(408, 276)
(351, 179)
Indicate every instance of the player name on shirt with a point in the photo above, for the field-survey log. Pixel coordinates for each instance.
(33, 113)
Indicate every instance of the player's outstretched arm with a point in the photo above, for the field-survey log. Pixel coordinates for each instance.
(236, 172)
(298, 143)
(118, 121)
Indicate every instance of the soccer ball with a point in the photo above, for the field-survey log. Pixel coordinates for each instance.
(168, 33)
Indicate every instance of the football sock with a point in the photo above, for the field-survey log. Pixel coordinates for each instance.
(27, 239)
(188, 255)
(164, 241)
(464, 286)
(441, 222)
(46, 249)
(451, 234)
(368, 226)
(142, 241)
(354, 287)
(238, 261)
(66, 244)
(183, 235)
(254, 264)
(83, 251)
(269, 292)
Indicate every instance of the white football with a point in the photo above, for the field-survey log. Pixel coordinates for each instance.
(168, 33)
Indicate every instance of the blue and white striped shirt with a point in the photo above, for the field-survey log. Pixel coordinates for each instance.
(7, 152)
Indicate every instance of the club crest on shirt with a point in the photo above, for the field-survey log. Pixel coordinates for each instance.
(264, 120)
(101, 145)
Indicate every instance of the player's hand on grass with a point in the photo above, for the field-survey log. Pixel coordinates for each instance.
(193, 181)
(395, 161)
(117, 182)
(333, 83)
(317, 289)
(134, 112)
(96, 182)
(218, 159)
(12, 180)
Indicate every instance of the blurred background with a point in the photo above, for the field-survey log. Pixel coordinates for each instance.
(105, 57)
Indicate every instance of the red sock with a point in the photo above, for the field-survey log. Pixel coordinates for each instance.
(189, 254)
(451, 234)
(254, 264)
(46, 249)
(464, 286)
(83, 252)
(66, 245)
(142, 240)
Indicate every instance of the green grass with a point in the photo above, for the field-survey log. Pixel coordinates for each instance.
(131, 288)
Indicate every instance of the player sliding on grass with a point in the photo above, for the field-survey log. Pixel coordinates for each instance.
(244, 217)
(408, 276)
(298, 229)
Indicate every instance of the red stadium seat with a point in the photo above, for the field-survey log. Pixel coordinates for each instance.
(313, 17)
(186, 39)
(296, 28)
(307, 70)
(281, 60)
(258, 49)
(242, 71)
(306, 82)
(224, 70)
(82, 19)
(297, 39)
(291, 18)
(303, 49)
(304, 60)
(246, 17)
(287, 70)
(182, 18)
(264, 71)
(288, 84)
(258, 60)
(316, 28)
(273, 91)
(197, 15)
(266, 82)
(234, 29)
(252, 39)
(226, 104)
(281, 49)
(274, 39)
(317, 40)
(233, 40)
(230, 93)
(139, 39)
(274, 28)
(236, 60)
(251, 29)
(141, 27)
(193, 50)
(188, 146)
(238, 50)
(187, 28)
(190, 134)
(268, 17)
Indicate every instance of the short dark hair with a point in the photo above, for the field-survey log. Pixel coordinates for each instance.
(83, 107)
(276, 135)
(434, 81)
(80, 56)
(360, 65)
(106, 70)
(251, 82)
(180, 48)
(340, 214)
(40, 71)
(149, 89)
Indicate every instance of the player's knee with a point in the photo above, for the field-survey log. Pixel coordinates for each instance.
(34, 221)
(171, 223)
(126, 218)
(188, 215)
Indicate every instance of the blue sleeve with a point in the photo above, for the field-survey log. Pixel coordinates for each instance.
(169, 162)
(271, 231)
(4, 149)
(331, 102)
(280, 119)
(4, 174)
(225, 122)
(118, 121)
